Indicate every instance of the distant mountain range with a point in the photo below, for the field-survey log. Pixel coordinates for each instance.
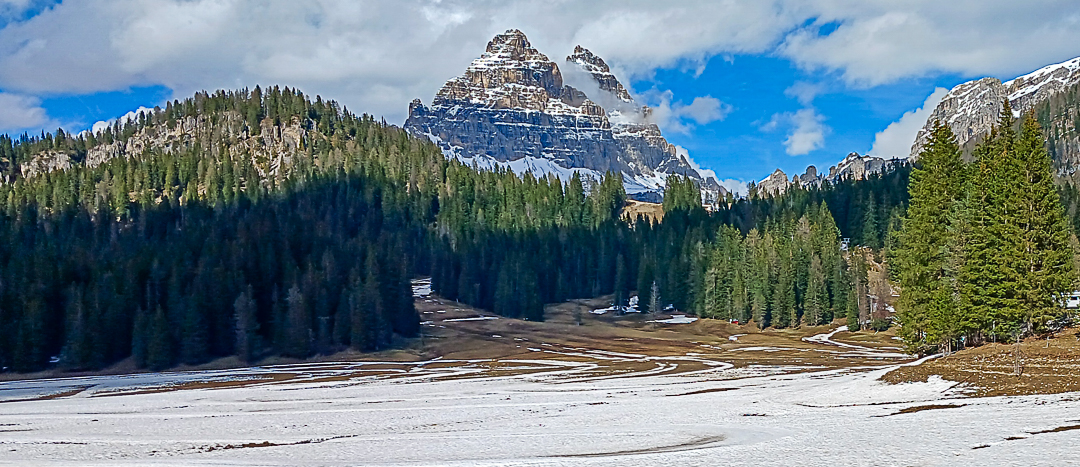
(512, 108)
(852, 167)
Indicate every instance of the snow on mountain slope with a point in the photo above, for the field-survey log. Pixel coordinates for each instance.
(971, 109)
(512, 108)
(1033, 87)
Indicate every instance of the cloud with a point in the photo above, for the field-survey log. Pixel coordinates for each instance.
(806, 130)
(376, 56)
(803, 92)
(736, 187)
(677, 117)
(704, 110)
(896, 139)
(19, 112)
(128, 117)
(878, 42)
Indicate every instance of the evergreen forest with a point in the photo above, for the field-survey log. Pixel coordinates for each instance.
(265, 222)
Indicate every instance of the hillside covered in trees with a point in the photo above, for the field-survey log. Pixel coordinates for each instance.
(258, 223)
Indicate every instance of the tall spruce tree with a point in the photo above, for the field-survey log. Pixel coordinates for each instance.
(1045, 256)
(987, 277)
(935, 188)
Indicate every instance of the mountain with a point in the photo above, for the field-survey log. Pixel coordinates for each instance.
(852, 167)
(972, 109)
(512, 108)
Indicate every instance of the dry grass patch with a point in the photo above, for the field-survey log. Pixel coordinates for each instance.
(1048, 367)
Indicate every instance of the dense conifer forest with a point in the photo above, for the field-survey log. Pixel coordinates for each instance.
(256, 223)
(985, 252)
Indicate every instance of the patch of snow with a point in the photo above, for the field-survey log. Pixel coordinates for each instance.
(676, 319)
(421, 287)
(748, 416)
(475, 318)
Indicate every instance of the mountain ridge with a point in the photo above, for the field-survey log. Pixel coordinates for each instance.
(512, 108)
(972, 108)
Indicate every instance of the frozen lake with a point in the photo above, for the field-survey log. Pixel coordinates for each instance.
(541, 412)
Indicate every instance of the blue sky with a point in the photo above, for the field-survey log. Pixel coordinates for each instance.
(790, 83)
(757, 87)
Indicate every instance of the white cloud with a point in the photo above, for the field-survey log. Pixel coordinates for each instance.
(877, 42)
(128, 117)
(896, 139)
(736, 187)
(704, 110)
(806, 130)
(803, 92)
(809, 133)
(19, 112)
(676, 117)
(706, 173)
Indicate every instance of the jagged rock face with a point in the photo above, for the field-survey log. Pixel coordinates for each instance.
(972, 109)
(273, 147)
(856, 167)
(45, 163)
(776, 183)
(511, 107)
(1038, 86)
(600, 72)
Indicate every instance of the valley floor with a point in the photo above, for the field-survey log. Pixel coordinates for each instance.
(481, 390)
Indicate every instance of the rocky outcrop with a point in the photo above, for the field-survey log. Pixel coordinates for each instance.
(512, 108)
(600, 72)
(972, 109)
(775, 184)
(852, 167)
(271, 148)
(44, 163)
(856, 167)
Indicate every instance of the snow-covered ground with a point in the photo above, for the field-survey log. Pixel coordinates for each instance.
(431, 413)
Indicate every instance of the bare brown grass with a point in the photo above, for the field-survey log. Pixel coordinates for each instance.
(1049, 366)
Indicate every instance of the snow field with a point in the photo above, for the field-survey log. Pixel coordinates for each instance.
(722, 416)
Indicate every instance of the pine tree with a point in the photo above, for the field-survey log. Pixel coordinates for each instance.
(935, 190)
(247, 326)
(299, 331)
(645, 281)
(815, 298)
(1045, 257)
(621, 294)
(988, 277)
(870, 227)
(159, 351)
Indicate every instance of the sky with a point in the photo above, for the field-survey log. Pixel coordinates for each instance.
(745, 87)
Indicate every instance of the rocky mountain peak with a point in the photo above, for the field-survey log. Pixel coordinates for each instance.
(512, 74)
(971, 109)
(600, 71)
(511, 108)
(1039, 85)
(776, 183)
(852, 167)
